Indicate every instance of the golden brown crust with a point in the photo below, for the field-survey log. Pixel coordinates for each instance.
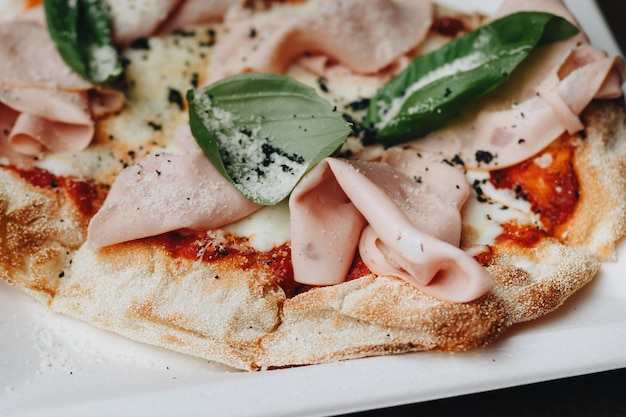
(244, 320)
(599, 220)
(39, 229)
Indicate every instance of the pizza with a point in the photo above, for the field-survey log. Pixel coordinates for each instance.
(278, 183)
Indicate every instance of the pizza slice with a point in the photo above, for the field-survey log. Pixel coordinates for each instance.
(139, 233)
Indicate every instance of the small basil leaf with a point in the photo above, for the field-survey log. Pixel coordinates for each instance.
(436, 87)
(264, 131)
(81, 30)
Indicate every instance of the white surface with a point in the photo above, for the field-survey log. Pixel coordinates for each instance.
(55, 366)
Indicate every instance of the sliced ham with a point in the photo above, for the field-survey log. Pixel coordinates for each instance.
(365, 38)
(405, 229)
(166, 193)
(190, 12)
(543, 99)
(47, 106)
(133, 19)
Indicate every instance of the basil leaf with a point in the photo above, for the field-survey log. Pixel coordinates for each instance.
(81, 30)
(436, 87)
(264, 131)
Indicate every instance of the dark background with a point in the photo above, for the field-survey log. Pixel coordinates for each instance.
(614, 12)
(596, 395)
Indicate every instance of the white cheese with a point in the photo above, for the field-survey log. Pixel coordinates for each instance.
(266, 229)
(501, 206)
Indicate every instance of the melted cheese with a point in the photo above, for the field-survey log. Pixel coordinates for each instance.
(267, 228)
(484, 213)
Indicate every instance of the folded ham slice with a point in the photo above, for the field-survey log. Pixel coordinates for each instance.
(143, 18)
(365, 38)
(47, 106)
(543, 99)
(132, 19)
(165, 193)
(406, 229)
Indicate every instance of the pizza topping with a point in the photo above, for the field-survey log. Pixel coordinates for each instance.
(86, 195)
(190, 12)
(541, 100)
(191, 194)
(344, 205)
(448, 26)
(43, 106)
(548, 182)
(379, 34)
(264, 131)
(81, 30)
(137, 19)
(437, 86)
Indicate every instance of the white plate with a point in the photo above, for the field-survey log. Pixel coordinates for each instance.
(53, 365)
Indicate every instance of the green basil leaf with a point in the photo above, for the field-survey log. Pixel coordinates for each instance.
(264, 131)
(81, 30)
(436, 87)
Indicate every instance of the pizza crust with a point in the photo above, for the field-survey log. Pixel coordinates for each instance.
(600, 220)
(39, 230)
(245, 321)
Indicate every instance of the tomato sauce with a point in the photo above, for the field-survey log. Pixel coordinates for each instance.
(448, 26)
(87, 195)
(548, 182)
(234, 250)
(523, 235)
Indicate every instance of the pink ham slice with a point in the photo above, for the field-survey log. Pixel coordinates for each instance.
(47, 106)
(366, 39)
(144, 18)
(191, 12)
(132, 19)
(542, 100)
(165, 193)
(406, 229)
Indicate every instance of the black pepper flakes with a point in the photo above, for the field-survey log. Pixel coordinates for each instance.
(458, 161)
(155, 126)
(357, 105)
(195, 80)
(175, 97)
(184, 33)
(484, 156)
(140, 44)
(322, 82)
